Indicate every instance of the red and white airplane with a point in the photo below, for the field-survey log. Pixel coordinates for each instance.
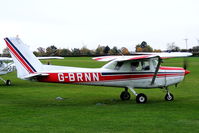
(128, 72)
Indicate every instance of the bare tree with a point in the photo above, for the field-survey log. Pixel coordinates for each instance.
(6, 52)
(41, 51)
(172, 47)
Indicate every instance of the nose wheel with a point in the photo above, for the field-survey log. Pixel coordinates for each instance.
(168, 96)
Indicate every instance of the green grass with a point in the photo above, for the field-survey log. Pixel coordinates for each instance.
(31, 107)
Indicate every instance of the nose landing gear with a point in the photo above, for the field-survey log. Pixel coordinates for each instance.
(168, 96)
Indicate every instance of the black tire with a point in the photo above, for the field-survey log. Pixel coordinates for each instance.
(169, 98)
(8, 82)
(125, 95)
(141, 98)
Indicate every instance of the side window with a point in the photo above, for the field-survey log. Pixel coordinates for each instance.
(135, 66)
(146, 65)
(155, 62)
(143, 65)
(1, 63)
(118, 65)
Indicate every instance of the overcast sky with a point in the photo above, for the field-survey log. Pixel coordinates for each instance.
(121, 23)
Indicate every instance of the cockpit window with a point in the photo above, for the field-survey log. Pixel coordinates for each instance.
(118, 65)
(155, 62)
(135, 66)
(146, 65)
(129, 66)
(140, 65)
(1, 63)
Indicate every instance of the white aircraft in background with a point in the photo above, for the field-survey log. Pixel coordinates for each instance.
(128, 72)
(7, 65)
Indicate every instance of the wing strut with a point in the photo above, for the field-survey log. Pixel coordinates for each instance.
(156, 70)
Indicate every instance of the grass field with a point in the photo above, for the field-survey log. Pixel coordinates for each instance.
(31, 107)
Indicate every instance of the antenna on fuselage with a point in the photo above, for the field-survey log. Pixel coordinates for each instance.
(186, 42)
(198, 41)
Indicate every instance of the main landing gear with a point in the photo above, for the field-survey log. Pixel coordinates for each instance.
(142, 98)
(7, 82)
(125, 95)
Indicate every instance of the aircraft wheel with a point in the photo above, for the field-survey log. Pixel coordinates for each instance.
(141, 98)
(169, 98)
(125, 95)
(8, 82)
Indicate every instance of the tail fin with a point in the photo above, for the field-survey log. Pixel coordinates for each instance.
(25, 61)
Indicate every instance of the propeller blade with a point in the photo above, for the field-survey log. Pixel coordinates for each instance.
(185, 66)
(185, 63)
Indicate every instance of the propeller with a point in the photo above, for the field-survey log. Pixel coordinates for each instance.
(185, 63)
(185, 66)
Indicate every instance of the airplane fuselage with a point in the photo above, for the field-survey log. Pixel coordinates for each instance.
(166, 76)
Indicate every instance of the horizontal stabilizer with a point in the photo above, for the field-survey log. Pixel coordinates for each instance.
(30, 76)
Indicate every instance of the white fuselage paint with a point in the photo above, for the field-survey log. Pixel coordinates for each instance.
(94, 77)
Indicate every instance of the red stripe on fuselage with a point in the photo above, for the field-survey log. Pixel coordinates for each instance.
(19, 58)
(98, 77)
(171, 68)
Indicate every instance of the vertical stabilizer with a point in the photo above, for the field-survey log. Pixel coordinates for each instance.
(26, 62)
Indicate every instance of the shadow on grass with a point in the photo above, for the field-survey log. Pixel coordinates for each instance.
(45, 102)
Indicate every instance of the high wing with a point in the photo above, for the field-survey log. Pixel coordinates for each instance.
(143, 55)
(123, 58)
(164, 55)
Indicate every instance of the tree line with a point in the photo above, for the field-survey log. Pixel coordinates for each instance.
(103, 50)
(84, 51)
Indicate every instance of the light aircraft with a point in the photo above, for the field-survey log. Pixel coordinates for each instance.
(128, 72)
(7, 65)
